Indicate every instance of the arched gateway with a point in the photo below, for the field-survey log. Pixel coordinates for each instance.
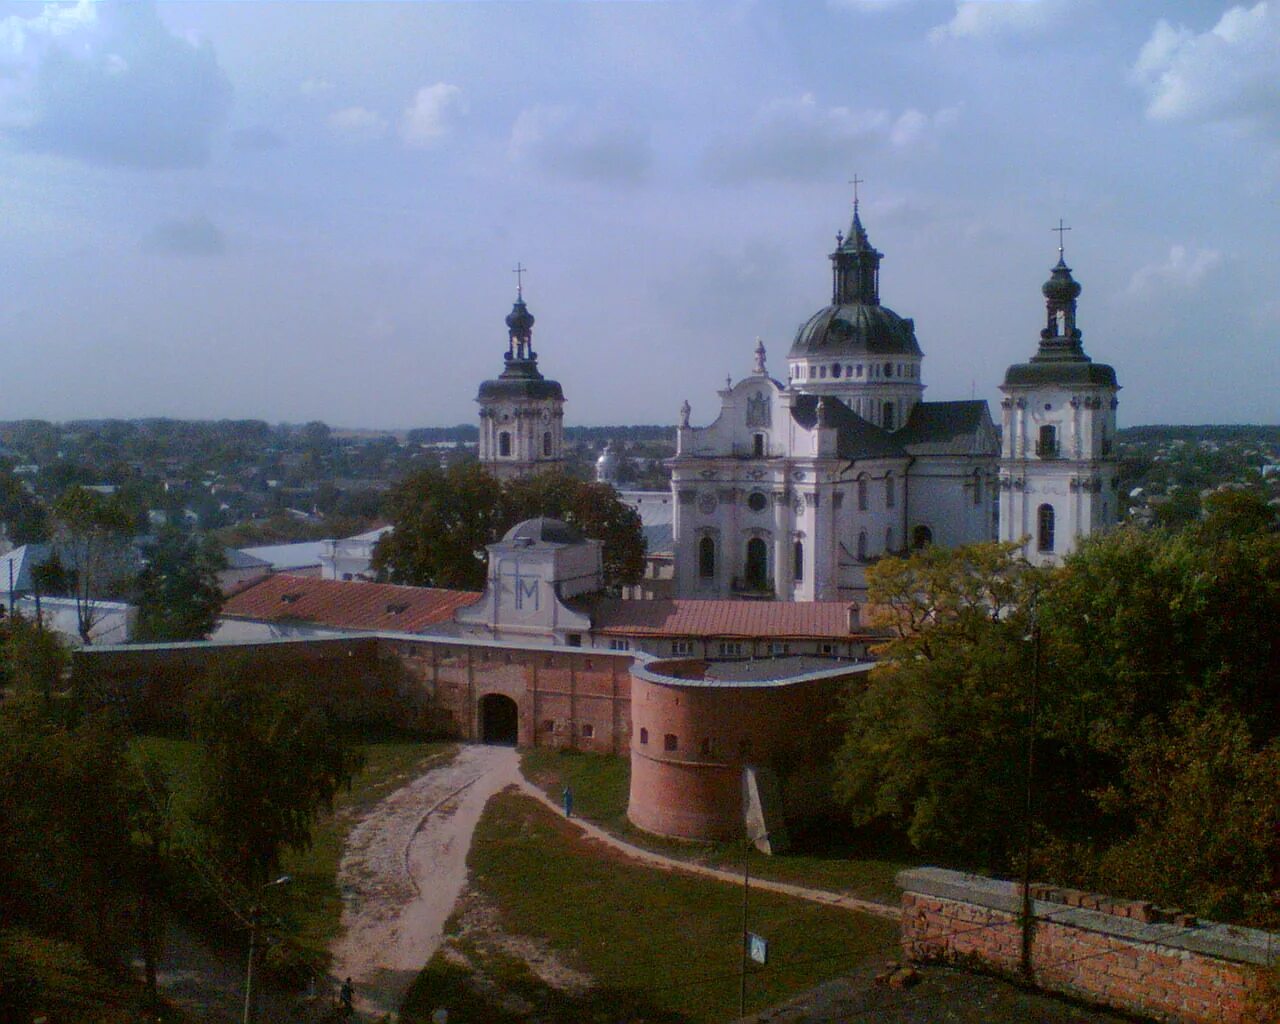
(499, 720)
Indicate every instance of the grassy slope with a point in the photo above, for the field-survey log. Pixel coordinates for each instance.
(661, 947)
(314, 905)
(600, 782)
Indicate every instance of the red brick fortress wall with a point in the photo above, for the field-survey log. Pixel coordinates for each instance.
(1174, 970)
(691, 738)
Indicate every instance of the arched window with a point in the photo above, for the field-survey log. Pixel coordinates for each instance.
(977, 487)
(546, 443)
(707, 558)
(862, 493)
(504, 444)
(890, 491)
(862, 545)
(757, 446)
(798, 558)
(921, 537)
(757, 568)
(835, 369)
(1047, 446)
(887, 414)
(1044, 528)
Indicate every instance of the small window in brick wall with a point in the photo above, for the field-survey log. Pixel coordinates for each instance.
(706, 747)
(588, 732)
(644, 737)
(573, 639)
(669, 742)
(548, 725)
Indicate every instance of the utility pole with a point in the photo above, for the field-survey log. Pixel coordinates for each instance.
(1028, 918)
(746, 891)
(254, 916)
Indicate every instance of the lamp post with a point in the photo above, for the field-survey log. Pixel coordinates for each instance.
(254, 914)
(1033, 710)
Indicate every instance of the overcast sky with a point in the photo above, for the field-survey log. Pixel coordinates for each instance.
(295, 211)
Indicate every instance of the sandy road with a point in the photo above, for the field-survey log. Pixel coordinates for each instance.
(404, 868)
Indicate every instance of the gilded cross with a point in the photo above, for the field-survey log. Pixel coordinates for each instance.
(855, 181)
(520, 271)
(1061, 229)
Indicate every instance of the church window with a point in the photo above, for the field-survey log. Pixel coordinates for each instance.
(835, 369)
(848, 371)
(546, 443)
(1047, 446)
(798, 558)
(504, 444)
(890, 491)
(888, 415)
(862, 545)
(707, 558)
(757, 567)
(977, 487)
(757, 447)
(822, 371)
(857, 370)
(888, 369)
(1044, 524)
(921, 537)
(644, 736)
(862, 493)
(757, 501)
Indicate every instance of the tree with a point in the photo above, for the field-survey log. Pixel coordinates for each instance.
(91, 529)
(271, 757)
(933, 739)
(178, 593)
(444, 518)
(34, 658)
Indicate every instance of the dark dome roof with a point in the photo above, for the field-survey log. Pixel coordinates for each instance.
(1078, 372)
(1061, 286)
(856, 330)
(520, 319)
(545, 531)
(521, 387)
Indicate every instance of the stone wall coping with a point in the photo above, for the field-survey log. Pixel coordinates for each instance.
(1225, 942)
(651, 672)
(350, 636)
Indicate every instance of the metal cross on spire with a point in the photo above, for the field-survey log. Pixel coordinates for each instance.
(855, 181)
(520, 270)
(1061, 229)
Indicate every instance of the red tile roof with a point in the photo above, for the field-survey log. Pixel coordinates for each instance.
(345, 605)
(693, 618)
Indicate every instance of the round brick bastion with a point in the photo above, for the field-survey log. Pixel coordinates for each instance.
(696, 725)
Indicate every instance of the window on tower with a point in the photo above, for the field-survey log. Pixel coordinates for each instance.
(1047, 445)
(862, 493)
(887, 413)
(1044, 528)
(890, 491)
(546, 444)
(504, 445)
(707, 558)
(862, 545)
(798, 568)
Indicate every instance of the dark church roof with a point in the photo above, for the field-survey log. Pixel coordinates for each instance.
(521, 385)
(949, 428)
(544, 530)
(855, 437)
(856, 331)
(1080, 372)
(1060, 358)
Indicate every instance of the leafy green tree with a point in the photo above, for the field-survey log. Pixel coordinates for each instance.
(444, 518)
(271, 758)
(92, 528)
(178, 593)
(34, 658)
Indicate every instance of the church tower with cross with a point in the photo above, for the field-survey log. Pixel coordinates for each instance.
(521, 412)
(1058, 472)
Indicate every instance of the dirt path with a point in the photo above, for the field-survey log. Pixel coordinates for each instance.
(403, 869)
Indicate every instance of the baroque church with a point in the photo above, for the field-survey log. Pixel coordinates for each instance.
(794, 489)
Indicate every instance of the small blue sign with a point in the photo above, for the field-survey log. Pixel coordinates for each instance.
(757, 948)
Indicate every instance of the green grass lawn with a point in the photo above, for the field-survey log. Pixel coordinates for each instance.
(837, 859)
(312, 909)
(660, 946)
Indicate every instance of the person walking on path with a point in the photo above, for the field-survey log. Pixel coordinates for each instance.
(568, 802)
(346, 997)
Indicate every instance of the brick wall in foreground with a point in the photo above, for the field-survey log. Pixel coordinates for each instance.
(1175, 970)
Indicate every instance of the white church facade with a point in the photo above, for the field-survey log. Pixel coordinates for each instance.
(796, 488)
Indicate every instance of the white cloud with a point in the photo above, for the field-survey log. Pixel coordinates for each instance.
(986, 19)
(587, 144)
(432, 114)
(1230, 73)
(797, 138)
(312, 87)
(109, 83)
(358, 123)
(1184, 270)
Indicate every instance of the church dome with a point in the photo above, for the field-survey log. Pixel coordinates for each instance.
(544, 530)
(855, 330)
(520, 319)
(1061, 286)
(607, 465)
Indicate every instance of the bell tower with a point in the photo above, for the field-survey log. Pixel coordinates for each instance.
(1058, 472)
(521, 412)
